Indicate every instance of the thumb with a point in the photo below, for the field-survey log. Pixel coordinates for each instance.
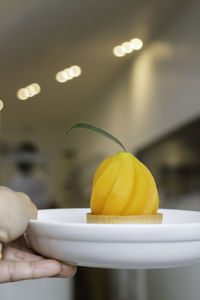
(31, 209)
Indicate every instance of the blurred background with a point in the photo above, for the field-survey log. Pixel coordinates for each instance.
(130, 67)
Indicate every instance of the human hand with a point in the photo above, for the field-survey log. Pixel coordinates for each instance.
(19, 262)
(16, 209)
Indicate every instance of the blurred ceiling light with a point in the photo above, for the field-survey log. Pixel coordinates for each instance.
(22, 94)
(36, 87)
(136, 44)
(127, 47)
(76, 70)
(118, 51)
(68, 74)
(1, 104)
(59, 77)
(29, 91)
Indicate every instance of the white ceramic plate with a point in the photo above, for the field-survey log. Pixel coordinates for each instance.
(64, 234)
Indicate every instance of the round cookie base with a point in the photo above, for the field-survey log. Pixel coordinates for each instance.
(134, 219)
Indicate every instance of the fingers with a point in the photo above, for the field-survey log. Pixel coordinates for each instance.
(15, 254)
(65, 271)
(14, 271)
(21, 243)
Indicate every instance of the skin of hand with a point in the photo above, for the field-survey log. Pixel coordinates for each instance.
(18, 261)
(16, 209)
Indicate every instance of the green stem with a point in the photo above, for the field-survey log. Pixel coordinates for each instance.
(98, 130)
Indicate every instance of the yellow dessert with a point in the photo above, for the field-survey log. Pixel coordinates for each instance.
(124, 191)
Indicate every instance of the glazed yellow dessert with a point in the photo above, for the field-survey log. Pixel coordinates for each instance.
(124, 191)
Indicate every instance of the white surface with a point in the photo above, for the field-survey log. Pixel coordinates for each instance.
(65, 235)
(40, 289)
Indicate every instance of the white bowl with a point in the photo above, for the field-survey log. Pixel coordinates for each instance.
(64, 234)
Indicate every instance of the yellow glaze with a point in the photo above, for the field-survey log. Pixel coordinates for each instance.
(123, 186)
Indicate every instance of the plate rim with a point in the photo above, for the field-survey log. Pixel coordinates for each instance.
(177, 232)
(161, 210)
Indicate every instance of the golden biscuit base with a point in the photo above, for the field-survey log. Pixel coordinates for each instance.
(134, 219)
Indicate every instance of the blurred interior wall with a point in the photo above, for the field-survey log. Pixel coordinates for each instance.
(51, 142)
(158, 93)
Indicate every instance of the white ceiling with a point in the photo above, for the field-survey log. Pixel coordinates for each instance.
(39, 38)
